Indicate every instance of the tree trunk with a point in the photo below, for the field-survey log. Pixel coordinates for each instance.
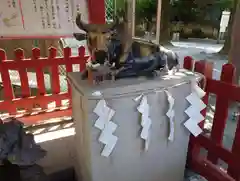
(165, 22)
(27, 44)
(234, 52)
(227, 44)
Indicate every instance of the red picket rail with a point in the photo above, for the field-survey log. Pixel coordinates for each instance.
(226, 92)
(224, 89)
(27, 103)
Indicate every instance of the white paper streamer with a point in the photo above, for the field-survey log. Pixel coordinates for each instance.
(194, 110)
(170, 114)
(108, 127)
(146, 121)
(108, 138)
(198, 90)
(138, 98)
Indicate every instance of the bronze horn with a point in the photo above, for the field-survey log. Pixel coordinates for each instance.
(114, 25)
(81, 25)
(93, 27)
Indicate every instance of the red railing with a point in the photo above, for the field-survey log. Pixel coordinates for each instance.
(34, 108)
(225, 92)
(25, 106)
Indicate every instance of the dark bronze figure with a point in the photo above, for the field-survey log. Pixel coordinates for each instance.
(126, 57)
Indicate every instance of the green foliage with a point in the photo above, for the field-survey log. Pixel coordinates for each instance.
(146, 9)
(202, 11)
(120, 4)
(224, 4)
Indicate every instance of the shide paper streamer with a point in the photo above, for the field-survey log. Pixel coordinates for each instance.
(194, 110)
(170, 114)
(108, 127)
(146, 122)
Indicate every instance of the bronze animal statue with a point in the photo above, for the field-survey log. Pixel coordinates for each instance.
(111, 46)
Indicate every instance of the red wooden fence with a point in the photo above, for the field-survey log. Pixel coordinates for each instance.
(225, 92)
(11, 105)
(223, 89)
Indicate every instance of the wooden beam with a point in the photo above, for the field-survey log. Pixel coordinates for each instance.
(129, 12)
(158, 22)
(133, 17)
(235, 41)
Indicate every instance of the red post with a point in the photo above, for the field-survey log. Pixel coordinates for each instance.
(67, 54)
(232, 171)
(188, 63)
(40, 77)
(6, 81)
(206, 69)
(96, 11)
(82, 57)
(39, 72)
(221, 112)
(19, 56)
(55, 81)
